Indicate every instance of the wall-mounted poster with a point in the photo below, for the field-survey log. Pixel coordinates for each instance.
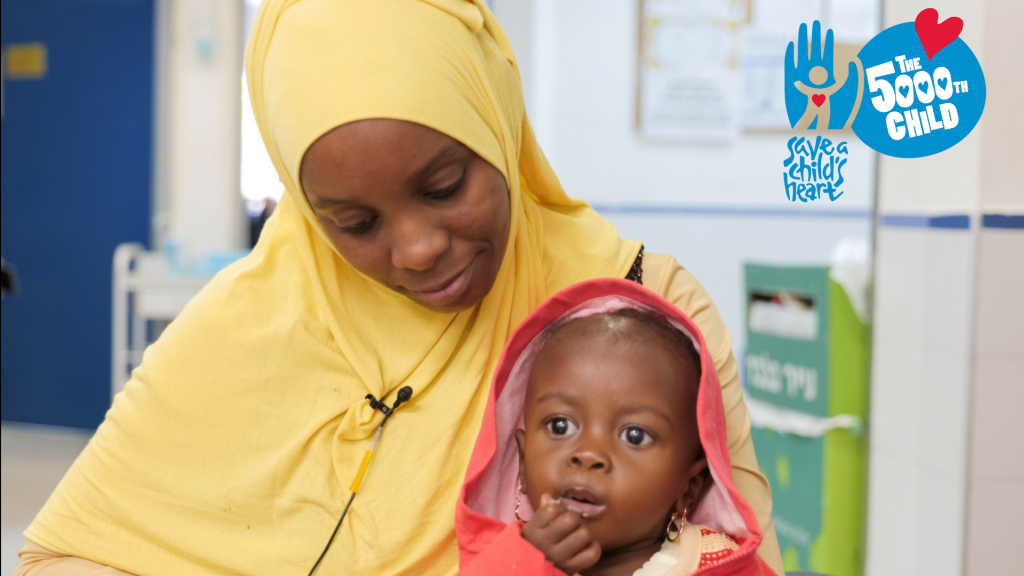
(689, 69)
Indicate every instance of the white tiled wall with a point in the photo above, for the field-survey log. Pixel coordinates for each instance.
(993, 541)
(947, 427)
(938, 549)
(920, 391)
(896, 501)
(1000, 302)
(995, 501)
(997, 439)
(996, 475)
(1003, 146)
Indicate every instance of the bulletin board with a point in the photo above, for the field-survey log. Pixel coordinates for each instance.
(709, 70)
(688, 80)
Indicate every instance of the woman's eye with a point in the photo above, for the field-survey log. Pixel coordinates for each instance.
(562, 427)
(359, 228)
(636, 436)
(449, 191)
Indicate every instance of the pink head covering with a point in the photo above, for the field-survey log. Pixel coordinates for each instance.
(487, 504)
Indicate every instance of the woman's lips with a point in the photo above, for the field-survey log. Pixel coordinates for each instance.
(450, 292)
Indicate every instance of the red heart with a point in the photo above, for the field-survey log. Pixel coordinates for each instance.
(818, 99)
(935, 36)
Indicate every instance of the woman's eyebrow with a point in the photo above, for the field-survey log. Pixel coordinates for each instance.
(328, 203)
(446, 152)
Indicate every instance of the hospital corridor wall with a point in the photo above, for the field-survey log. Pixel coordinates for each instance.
(76, 182)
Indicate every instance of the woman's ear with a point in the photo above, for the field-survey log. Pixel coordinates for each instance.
(521, 442)
(696, 485)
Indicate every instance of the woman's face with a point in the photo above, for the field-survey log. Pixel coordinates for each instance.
(411, 208)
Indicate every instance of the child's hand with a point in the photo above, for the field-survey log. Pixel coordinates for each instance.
(563, 538)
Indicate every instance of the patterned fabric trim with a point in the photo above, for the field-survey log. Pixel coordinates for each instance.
(715, 547)
(636, 273)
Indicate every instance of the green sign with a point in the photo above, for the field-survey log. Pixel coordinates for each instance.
(807, 359)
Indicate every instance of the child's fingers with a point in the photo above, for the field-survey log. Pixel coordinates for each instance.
(585, 559)
(548, 511)
(563, 525)
(573, 544)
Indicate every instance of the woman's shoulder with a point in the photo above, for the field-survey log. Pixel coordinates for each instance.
(654, 268)
(664, 275)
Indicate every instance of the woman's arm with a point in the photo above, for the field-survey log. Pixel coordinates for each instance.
(665, 276)
(38, 561)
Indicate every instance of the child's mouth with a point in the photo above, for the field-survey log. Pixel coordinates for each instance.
(583, 503)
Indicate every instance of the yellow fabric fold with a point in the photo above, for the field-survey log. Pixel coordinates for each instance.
(232, 449)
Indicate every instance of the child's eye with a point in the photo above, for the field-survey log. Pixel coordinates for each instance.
(636, 436)
(562, 427)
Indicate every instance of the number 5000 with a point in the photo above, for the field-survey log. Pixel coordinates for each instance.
(924, 86)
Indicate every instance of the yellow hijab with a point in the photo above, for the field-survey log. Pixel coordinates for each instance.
(232, 449)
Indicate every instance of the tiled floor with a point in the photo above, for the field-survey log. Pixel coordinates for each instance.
(32, 462)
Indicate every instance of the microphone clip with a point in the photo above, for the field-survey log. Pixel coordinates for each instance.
(404, 395)
(379, 405)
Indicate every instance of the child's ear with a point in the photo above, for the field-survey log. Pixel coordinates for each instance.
(521, 442)
(695, 487)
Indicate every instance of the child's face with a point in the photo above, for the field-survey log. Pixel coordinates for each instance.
(610, 429)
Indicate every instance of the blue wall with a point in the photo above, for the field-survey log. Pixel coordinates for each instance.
(75, 162)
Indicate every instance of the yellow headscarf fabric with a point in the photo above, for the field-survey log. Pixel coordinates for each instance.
(232, 449)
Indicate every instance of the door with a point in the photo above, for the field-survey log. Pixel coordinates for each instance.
(75, 163)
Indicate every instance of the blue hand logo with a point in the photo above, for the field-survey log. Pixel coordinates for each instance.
(813, 97)
(922, 87)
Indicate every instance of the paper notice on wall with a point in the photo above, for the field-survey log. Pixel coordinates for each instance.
(686, 106)
(763, 105)
(854, 21)
(775, 24)
(851, 21)
(689, 73)
(723, 10)
(787, 15)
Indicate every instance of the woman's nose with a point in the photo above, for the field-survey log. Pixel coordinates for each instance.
(416, 244)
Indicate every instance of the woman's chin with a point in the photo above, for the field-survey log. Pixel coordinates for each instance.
(465, 302)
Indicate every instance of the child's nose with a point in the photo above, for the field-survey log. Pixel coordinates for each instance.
(590, 460)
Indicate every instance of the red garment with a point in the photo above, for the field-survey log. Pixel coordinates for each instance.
(715, 548)
(490, 541)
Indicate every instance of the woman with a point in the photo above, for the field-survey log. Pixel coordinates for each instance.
(422, 224)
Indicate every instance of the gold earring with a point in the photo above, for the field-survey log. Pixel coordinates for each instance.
(519, 501)
(672, 532)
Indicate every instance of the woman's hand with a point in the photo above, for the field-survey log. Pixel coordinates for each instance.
(562, 536)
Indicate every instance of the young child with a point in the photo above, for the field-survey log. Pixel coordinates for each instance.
(606, 417)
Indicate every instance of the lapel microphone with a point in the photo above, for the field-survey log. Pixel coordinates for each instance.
(404, 395)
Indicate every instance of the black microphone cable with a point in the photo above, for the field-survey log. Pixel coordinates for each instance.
(404, 395)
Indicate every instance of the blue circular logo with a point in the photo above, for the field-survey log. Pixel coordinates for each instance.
(912, 105)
